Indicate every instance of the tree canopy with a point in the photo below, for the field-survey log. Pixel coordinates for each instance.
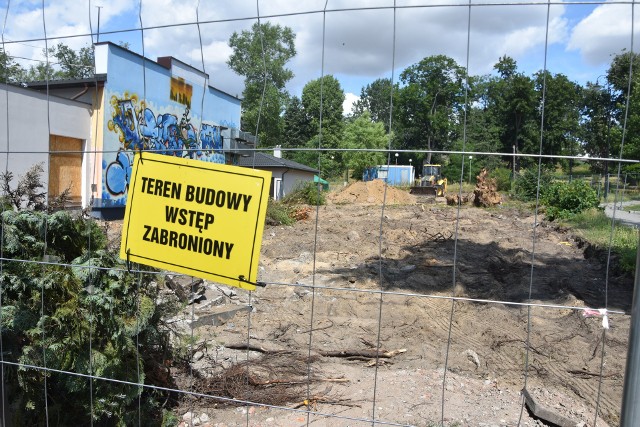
(363, 133)
(260, 56)
(63, 63)
(375, 98)
(322, 100)
(504, 112)
(429, 103)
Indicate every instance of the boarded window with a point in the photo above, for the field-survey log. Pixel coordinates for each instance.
(65, 167)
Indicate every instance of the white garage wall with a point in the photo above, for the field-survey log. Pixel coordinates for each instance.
(26, 123)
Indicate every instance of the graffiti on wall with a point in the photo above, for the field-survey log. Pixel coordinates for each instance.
(139, 128)
(181, 91)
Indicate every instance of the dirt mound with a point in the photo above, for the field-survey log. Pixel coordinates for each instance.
(371, 192)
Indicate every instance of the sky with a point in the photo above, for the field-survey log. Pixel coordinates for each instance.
(353, 40)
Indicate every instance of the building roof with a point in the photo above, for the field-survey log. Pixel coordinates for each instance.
(264, 161)
(12, 87)
(66, 83)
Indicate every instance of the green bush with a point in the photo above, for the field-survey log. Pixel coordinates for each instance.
(565, 199)
(502, 177)
(278, 214)
(308, 193)
(526, 185)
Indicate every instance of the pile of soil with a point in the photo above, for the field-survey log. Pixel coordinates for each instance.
(371, 192)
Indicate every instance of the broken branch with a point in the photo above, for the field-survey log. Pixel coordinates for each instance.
(369, 353)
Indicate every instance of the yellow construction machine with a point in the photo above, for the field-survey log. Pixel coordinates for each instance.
(431, 182)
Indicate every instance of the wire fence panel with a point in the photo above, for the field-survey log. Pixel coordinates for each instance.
(417, 266)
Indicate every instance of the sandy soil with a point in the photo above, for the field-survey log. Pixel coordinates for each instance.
(413, 263)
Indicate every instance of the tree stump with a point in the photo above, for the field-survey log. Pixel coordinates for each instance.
(486, 191)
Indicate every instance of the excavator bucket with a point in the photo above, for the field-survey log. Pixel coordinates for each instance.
(424, 190)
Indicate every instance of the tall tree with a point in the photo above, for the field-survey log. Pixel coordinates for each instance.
(562, 102)
(429, 103)
(376, 99)
(10, 70)
(618, 73)
(322, 100)
(483, 130)
(364, 133)
(297, 129)
(618, 77)
(64, 63)
(73, 64)
(632, 135)
(598, 125)
(260, 56)
(512, 97)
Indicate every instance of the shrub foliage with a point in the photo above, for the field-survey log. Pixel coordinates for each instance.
(69, 304)
(502, 177)
(306, 193)
(526, 184)
(278, 214)
(565, 199)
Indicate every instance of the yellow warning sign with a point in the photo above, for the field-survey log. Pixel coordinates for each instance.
(197, 218)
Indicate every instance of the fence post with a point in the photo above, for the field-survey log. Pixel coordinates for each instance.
(630, 414)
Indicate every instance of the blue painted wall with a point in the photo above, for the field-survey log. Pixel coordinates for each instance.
(145, 110)
(393, 174)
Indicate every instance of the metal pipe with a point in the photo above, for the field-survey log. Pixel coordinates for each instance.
(630, 414)
(82, 92)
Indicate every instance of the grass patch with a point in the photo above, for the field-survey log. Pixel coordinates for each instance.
(453, 187)
(580, 168)
(632, 208)
(628, 195)
(594, 226)
(633, 195)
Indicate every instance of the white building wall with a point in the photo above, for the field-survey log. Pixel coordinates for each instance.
(291, 178)
(27, 118)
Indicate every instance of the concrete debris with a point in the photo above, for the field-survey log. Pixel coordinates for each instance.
(228, 292)
(176, 288)
(473, 357)
(545, 413)
(218, 317)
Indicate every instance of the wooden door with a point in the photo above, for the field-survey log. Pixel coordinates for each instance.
(65, 167)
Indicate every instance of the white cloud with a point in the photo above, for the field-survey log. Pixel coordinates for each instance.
(349, 100)
(358, 44)
(62, 18)
(604, 32)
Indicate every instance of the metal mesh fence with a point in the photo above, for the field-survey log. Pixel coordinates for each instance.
(379, 308)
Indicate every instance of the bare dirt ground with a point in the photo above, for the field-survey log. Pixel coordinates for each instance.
(338, 249)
